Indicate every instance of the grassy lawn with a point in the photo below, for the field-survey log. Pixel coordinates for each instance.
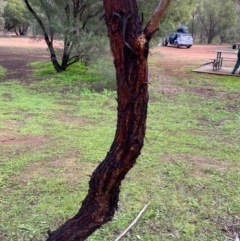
(53, 134)
(2, 71)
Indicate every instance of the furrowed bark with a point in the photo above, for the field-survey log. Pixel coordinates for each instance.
(130, 51)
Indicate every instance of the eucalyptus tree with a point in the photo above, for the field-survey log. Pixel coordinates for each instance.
(129, 41)
(67, 21)
(16, 17)
(215, 17)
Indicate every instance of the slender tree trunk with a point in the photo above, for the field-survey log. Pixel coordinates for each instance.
(55, 63)
(130, 46)
(49, 41)
(66, 53)
(65, 59)
(25, 28)
(20, 31)
(210, 39)
(15, 30)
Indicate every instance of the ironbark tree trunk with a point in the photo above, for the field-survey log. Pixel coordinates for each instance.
(130, 46)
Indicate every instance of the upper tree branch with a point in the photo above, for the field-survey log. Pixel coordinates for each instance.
(92, 16)
(152, 25)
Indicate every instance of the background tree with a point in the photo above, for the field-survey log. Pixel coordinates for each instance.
(178, 13)
(67, 21)
(130, 46)
(215, 17)
(2, 5)
(16, 17)
(232, 34)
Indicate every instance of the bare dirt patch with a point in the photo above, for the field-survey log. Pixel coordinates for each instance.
(73, 120)
(9, 138)
(63, 116)
(66, 167)
(7, 97)
(17, 53)
(200, 164)
(6, 136)
(30, 141)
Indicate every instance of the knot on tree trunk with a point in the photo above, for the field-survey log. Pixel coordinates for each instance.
(139, 44)
(136, 144)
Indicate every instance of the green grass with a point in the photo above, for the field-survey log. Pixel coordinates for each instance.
(77, 71)
(2, 71)
(98, 76)
(189, 167)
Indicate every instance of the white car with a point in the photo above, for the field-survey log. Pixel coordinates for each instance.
(178, 39)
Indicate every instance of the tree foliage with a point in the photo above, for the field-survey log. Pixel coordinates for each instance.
(215, 17)
(178, 13)
(2, 5)
(68, 21)
(16, 17)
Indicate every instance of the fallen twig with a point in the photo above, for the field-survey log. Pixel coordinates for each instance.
(12, 139)
(133, 223)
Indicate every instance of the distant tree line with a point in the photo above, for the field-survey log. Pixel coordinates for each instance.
(209, 21)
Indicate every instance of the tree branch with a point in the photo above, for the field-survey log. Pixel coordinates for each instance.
(152, 25)
(133, 223)
(101, 9)
(46, 37)
(73, 60)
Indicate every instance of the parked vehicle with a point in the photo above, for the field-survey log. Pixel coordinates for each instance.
(179, 38)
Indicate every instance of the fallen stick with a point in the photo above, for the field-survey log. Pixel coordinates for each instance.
(12, 139)
(133, 223)
(207, 63)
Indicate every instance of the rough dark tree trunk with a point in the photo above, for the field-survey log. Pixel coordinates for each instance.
(130, 46)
